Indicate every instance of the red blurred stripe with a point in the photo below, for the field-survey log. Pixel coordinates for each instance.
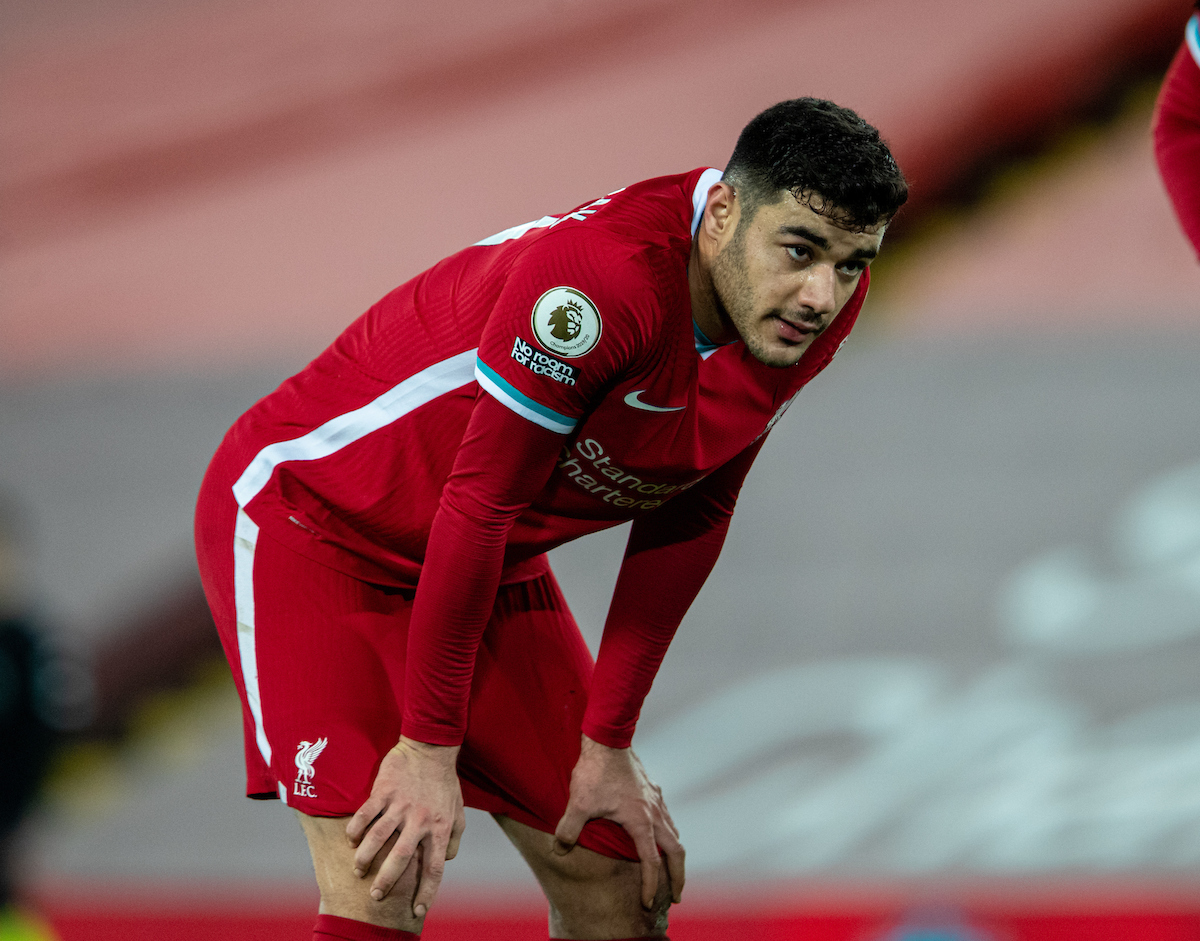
(113, 926)
(1099, 927)
(849, 926)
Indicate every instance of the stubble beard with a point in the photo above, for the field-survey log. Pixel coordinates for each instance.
(735, 301)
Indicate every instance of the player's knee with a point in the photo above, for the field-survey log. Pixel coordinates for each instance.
(662, 900)
(593, 890)
(588, 890)
(347, 895)
(656, 915)
(612, 905)
(582, 865)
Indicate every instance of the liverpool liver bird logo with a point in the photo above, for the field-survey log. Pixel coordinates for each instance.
(306, 754)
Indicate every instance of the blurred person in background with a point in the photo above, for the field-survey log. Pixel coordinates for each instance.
(27, 725)
(1177, 131)
(372, 535)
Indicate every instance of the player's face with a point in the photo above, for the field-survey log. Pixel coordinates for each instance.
(785, 273)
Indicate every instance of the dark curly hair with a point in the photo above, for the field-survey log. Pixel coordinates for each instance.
(825, 156)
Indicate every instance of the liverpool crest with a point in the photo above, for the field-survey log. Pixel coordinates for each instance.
(306, 754)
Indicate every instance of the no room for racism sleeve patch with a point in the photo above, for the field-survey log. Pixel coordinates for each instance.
(540, 364)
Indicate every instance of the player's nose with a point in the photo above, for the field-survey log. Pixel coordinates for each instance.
(819, 289)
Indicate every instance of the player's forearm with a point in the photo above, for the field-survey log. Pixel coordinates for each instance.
(655, 588)
(457, 590)
(669, 556)
(502, 464)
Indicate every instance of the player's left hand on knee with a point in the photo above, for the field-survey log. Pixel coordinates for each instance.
(610, 783)
(417, 799)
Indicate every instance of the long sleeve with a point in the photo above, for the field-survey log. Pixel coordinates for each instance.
(669, 555)
(503, 463)
(1177, 132)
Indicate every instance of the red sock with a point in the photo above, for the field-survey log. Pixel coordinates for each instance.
(646, 938)
(334, 928)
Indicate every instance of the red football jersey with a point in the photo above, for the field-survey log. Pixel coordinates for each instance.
(577, 332)
(346, 461)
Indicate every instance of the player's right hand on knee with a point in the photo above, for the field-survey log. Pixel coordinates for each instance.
(417, 797)
(610, 783)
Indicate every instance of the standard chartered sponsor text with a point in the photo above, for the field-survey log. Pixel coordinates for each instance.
(612, 484)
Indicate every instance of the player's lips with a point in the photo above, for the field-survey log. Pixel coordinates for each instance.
(796, 331)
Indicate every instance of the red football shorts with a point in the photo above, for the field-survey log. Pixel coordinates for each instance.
(318, 658)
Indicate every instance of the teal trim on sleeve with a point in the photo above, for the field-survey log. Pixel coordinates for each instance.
(501, 389)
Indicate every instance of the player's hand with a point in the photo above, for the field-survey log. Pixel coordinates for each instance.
(417, 796)
(611, 783)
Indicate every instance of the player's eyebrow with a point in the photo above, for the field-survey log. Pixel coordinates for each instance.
(805, 233)
(823, 243)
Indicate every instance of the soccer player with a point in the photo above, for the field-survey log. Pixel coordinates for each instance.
(372, 535)
(1177, 131)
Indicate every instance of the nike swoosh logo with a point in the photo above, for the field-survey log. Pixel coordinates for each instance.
(632, 400)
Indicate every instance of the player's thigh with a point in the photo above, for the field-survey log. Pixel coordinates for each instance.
(591, 895)
(528, 696)
(346, 895)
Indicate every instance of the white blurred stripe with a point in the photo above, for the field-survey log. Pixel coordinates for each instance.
(245, 540)
(335, 434)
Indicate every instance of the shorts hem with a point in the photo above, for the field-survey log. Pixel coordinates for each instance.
(600, 836)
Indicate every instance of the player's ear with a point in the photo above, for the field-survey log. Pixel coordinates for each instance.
(720, 212)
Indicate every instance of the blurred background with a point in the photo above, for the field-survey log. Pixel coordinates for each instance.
(951, 691)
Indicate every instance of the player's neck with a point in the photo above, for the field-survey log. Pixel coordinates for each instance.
(706, 311)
